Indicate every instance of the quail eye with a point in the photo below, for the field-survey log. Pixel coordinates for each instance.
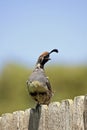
(47, 56)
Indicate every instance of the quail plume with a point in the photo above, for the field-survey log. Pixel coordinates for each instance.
(38, 83)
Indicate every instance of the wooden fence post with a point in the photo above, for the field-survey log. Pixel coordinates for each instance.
(67, 115)
(78, 109)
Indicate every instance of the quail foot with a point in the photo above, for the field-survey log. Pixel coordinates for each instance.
(38, 83)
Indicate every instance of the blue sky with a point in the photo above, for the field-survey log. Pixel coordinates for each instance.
(30, 27)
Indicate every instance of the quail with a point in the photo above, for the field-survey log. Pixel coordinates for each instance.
(38, 83)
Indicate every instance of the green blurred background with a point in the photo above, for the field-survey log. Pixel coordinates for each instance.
(30, 27)
(66, 81)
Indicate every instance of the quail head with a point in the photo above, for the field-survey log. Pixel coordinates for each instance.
(38, 83)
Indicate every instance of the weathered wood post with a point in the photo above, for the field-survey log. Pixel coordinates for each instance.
(85, 113)
(67, 115)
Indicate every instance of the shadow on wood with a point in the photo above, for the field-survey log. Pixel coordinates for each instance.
(85, 113)
(34, 118)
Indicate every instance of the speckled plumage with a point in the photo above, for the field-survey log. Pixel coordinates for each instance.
(38, 83)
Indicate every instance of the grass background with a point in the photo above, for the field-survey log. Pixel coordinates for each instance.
(66, 81)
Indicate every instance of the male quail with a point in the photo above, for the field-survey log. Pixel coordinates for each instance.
(38, 84)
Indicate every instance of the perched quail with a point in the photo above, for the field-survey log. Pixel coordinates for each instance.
(38, 84)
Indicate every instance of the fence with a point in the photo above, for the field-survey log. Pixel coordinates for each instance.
(67, 115)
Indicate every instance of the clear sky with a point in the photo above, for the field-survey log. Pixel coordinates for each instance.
(29, 27)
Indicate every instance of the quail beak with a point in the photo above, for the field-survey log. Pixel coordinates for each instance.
(49, 58)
